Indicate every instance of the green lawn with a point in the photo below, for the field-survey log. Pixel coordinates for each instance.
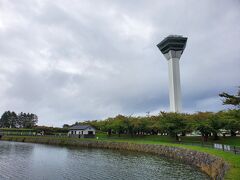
(234, 141)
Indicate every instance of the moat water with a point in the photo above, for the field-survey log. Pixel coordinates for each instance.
(27, 161)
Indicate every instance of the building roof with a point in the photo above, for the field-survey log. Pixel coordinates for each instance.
(80, 127)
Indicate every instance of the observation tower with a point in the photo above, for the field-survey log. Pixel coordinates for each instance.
(172, 48)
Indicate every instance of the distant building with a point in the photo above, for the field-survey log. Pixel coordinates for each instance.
(82, 131)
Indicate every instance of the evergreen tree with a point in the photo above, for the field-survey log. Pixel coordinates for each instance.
(8, 120)
(12, 120)
(231, 99)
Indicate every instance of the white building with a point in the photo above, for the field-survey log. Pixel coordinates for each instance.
(82, 131)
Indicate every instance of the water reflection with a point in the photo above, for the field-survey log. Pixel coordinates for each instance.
(36, 161)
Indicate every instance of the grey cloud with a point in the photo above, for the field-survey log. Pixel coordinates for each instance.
(74, 60)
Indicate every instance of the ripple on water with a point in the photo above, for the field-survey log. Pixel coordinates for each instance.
(22, 161)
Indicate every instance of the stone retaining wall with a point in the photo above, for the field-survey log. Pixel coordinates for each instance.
(214, 166)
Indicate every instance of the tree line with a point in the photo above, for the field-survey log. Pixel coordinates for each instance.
(173, 124)
(10, 119)
(176, 124)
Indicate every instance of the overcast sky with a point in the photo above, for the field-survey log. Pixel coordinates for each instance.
(69, 61)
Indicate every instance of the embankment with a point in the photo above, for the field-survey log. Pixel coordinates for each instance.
(214, 166)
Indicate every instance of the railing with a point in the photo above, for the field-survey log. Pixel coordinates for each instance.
(9, 133)
(223, 147)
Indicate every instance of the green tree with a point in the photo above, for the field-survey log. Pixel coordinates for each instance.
(27, 120)
(8, 120)
(201, 124)
(66, 125)
(119, 125)
(173, 123)
(153, 125)
(230, 99)
(145, 125)
(106, 126)
(231, 120)
(216, 124)
(136, 125)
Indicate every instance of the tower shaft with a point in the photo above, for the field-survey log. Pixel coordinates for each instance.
(174, 85)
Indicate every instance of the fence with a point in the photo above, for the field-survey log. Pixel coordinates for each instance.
(223, 147)
(29, 133)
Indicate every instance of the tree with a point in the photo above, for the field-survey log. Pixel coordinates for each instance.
(20, 120)
(13, 120)
(107, 126)
(26, 120)
(119, 125)
(231, 119)
(173, 123)
(30, 120)
(202, 124)
(5, 120)
(135, 125)
(8, 120)
(208, 123)
(66, 126)
(152, 124)
(216, 124)
(231, 99)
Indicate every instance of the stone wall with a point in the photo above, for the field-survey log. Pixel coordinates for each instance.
(214, 166)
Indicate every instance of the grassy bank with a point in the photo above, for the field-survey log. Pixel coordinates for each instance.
(234, 141)
(232, 159)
